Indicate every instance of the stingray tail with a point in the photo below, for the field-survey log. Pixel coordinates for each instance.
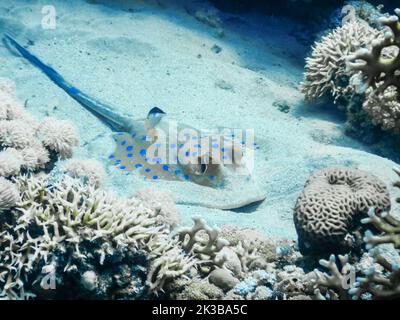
(100, 110)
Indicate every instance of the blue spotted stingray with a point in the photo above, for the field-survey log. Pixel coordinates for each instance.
(211, 159)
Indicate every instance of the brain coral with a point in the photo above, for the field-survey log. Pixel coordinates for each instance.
(328, 210)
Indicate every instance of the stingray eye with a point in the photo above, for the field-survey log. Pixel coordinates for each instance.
(201, 169)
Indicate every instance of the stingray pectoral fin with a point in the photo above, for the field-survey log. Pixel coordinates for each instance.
(241, 204)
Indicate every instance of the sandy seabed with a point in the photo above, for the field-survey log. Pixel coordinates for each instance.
(156, 53)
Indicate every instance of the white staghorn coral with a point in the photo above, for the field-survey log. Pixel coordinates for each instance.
(59, 136)
(89, 171)
(325, 70)
(60, 218)
(9, 195)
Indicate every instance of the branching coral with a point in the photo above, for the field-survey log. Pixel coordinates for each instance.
(388, 227)
(380, 66)
(380, 277)
(378, 284)
(325, 70)
(202, 241)
(61, 219)
(337, 281)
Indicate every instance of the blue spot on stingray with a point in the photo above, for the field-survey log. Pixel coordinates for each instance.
(117, 162)
(147, 170)
(165, 167)
(187, 154)
(215, 145)
(129, 148)
(198, 146)
(111, 156)
(73, 90)
(142, 152)
(186, 177)
(120, 133)
(157, 160)
(223, 149)
(123, 142)
(122, 167)
(133, 135)
(138, 165)
(130, 155)
(155, 177)
(181, 146)
(224, 157)
(178, 172)
(211, 177)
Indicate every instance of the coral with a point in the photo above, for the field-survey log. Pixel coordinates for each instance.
(232, 261)
(384, 108)
(377, 273)
(325, 70)
(25, 143)
(90, 171)
(72, 225)
(293, 281)
(248, 255)
(328, 210)
(379, 65)
(261, 293)
(197, 289)
(163, 203)
(336, 282)
(202, 241)
(59, 136)
(9, 195)
(378, 283)
(246, 286)
(388, 227)
(266, 246)
(222, 278)
(10, 162)
(10, 107)
(172, 264)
